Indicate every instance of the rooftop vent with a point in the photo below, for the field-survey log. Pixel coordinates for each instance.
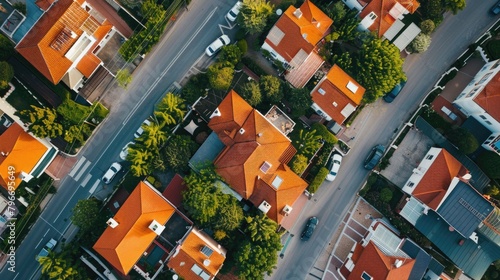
(335, 104)
(216, 113)
(467, 176)
(206, 262)
(156, 227)
(398, 263)
(264, 207)
(112, 223)
(322, 91)
(297, 13)
(287, 210)
(242, 130)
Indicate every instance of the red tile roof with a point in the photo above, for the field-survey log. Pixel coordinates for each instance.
(301, 33)
(433, 186)
(249, 145)
(300, 75)
(54, 34)
(174, 189)
(125, 244)
(489, 98)
(372, 261)
(189, 254)
(334, 84)
(22, 151)
(381, 8)
(44, 4)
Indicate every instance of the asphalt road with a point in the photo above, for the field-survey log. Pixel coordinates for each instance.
(377, 126)
(179, 48)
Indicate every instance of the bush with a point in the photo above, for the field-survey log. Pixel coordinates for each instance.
(490, 164)
(427, 26)
(6, 74)
(463, 139)
(220, 76)
(253, 66)
(195, 88)
(250, 91)
(386, 195)
(299, 164)
(318, 180)
(242, 44)
(231, 54)
(325, 134)
(6, 48)
(420, 44)
(73, 112)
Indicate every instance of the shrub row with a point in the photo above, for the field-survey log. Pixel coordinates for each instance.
(316, 182)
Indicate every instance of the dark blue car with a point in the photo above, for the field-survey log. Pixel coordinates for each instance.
(309, 229)
(391, 95)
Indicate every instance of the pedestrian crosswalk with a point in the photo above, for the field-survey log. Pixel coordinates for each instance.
(81, 168)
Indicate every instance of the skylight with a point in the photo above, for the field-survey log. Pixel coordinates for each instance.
(265, 167)
(352, 87)
(207, 251)
(277, 182)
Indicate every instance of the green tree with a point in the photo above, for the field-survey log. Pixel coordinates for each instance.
(141, 159)
(220, 76)
(74, 133)
(6, 48)
(153, 136)
(201, 200)
(463, 139)
(254, 14)
(379, 68)
(420, 43)
(231, 54)
(85, 214)
(250, 91)
(271, 87)
(57, 268)
(427, 26)
(490, 164)
(21, 7)
(308, 142)
(230, 214)
(432, 9)
(299, 164)
(178, 151)
(123, 78)
(242, 44)
(337, 12)
(454, 5)
(386, 195)
(170, 110)
(6, 74)
(43, 122)
(346, 29)
(300, 100)
(195, 88)
(260, 228)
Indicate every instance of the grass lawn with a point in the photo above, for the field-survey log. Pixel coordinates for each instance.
(21, 98)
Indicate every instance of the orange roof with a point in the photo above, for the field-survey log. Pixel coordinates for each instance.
(302, 32)
(189, 254)
(489, 98)
(372, 261)
(249, 145)
(54, 34)
(334, 85)
(381, 8)
(436, 180)
(23, 153)
(88, 64)
(124, 245)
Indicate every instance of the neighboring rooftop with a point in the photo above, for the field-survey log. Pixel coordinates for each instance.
(387, 11)
(280, 120)
(489, 98)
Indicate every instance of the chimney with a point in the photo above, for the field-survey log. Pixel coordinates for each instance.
(156, 227)
(216, 113)
(242, 130)
(112, 223)
(297, 13)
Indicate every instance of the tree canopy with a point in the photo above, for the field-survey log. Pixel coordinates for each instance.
(85, 214)
(454, 5)
(43, 122)
(490, 164)
(270, 86)
(300, 100)
(178, 151)
(463, 139)
(231, 54)
(250, 91)
(220, 75)
(6, 74)
(420, 43)
(254, 14)
(170, 110)
(6, 47)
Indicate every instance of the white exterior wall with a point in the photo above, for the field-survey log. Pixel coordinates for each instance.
(274, 54)
(491, 143)
(353, 4)
(419, 172)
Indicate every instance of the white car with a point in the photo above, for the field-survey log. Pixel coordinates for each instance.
(111, 173)
(47, 248)
(217, 45)
(124, 152)
(235, 10)
(336, 161)
(140, 130)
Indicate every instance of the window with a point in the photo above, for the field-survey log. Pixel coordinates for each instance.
(372, 15)
(366, 276)
(198, 271)
(484, 78)
(482, 117)
(265, 167)
(322, 91)
(429, 157)
(206, 251)
(488, 122)
(410, 184)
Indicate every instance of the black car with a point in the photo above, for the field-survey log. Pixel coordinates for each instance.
(495, 9)
(309, 229)
(391, 95)
(374, 157)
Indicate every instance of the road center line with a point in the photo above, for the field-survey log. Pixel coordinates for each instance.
(38, 243)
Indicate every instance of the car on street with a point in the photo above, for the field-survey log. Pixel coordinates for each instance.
(374, 157)
(334, 167)
(124, 151)
(217, 45)
(111, 173)
(140, 130)
(309, 229)
(235, 10)
(51, 244)
(495, 9)
(391, 95)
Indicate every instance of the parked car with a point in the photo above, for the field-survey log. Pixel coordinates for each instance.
(111, 173)
(374, 157)
(47, 248)
(496, 9)
(391, 95)
(124, 152)
(309, 229)
(5, 121)
(217, 45)
(334, 167)
(235, 10)
(140, 130)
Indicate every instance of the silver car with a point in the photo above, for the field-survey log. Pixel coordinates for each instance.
(217, 45)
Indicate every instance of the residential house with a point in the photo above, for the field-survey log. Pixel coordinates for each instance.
(481, 100)
(454, 216)
(63, 43)
(23, 156)
(254, 160)
(337, 95)
(199, 256)
(293, 41)
(382, 254)
(147, 231)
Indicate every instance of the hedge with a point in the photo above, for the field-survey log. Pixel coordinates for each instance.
(322, 131)
(73, 112)
(316, 182)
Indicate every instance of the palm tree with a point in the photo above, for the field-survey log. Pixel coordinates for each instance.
(309, 142)
(56, 268)
(153, 136)
(49, 262)
(171, 109)
(260, 227)
(141, 158)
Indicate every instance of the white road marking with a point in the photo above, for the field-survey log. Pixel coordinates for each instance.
(38, 243)
(84, 168)
(46, 232)
(86, 180)
(94, 187)
(76, 167)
